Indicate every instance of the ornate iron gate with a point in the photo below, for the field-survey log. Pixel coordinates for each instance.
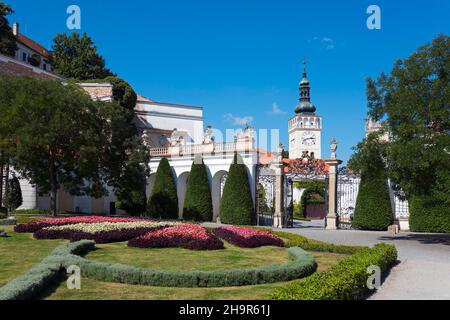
(347, 193)
(265, 195)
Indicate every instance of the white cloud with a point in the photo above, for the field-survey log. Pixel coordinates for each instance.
(276, 110)
(328, 42)
(238, 121)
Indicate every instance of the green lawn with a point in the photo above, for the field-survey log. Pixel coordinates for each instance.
(19, 252)
(96, 290)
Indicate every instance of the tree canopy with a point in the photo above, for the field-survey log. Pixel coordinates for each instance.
(8, 45)
(413, 101)
(75, 56)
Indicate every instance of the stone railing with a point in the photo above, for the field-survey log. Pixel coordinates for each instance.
(212, 148)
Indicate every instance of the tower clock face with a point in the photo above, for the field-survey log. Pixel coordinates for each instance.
(309, 139)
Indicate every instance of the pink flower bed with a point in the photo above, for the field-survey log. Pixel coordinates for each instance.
(40, 224)
(248, 238)
(188, 236)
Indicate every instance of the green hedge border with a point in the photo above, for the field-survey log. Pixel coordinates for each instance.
(36, 280)
(345, 281)
(8, 222)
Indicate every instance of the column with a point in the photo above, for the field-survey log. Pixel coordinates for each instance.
(277, 217)
(331, 221)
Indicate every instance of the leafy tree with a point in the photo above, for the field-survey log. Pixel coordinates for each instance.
(58, 136)
(373, 210)
(75, 56)
(163, 202)
(237, 203)
(198, 202)
(12, 198)
(8, 45)
(414, 102)
(123, 92)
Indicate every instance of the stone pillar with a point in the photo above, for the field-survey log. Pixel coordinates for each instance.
(331, 221)
(277, 216)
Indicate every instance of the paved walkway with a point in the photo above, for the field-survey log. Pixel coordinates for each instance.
(424, 269)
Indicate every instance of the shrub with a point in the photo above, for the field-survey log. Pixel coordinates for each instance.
(163, 202)
(428, 215)
(34, 226)
(12, 198)
(373, 209)
(345, 281)
(3, 213)
(198, 201)
(8, 222)
(188, 236)
(248, 238)
(237, 204)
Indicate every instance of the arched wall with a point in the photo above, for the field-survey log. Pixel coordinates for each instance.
(216, 192)
(181, 191)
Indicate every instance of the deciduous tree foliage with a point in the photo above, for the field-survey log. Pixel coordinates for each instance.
(198, 201)
(75, 56)
(237, 205)
(8, 44)
(414, 101)
(163, 202)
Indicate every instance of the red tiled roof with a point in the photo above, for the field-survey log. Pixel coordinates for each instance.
(33, 45)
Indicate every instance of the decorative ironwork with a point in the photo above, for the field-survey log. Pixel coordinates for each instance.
(347, 192)
(265, 195)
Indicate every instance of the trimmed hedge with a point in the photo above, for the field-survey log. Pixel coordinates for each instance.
(428, 215)
(236, 206)
(198, 201)
(302, 265)
(345, 281)
(8, 222)
(38, 279)
(163, 202)
(373, 210)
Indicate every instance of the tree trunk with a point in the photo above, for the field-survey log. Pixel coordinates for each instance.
(53, 187)
(7, 181)
(1, 178)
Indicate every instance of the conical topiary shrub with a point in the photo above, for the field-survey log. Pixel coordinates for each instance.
(163, 202)
(198, 202)
(237, 205)
(12, 199)
(373, 209)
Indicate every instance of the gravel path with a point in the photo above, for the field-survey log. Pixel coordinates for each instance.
(424, 269)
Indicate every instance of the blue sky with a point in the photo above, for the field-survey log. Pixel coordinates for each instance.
(240, 58)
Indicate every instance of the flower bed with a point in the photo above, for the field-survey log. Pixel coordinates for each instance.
(248, 238)
(103, 232)
(188, 236)
(44, 223)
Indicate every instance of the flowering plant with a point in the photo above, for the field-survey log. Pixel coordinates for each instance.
(248, 238)
(48, 222)
(189, 236)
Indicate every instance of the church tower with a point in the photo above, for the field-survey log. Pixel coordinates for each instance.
(305, 128)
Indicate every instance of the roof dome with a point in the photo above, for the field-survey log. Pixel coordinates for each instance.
(305, 107)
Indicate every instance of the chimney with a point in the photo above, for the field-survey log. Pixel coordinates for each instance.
(16, 29)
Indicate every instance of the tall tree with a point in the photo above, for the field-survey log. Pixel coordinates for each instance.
(236, 206)
(198, 202)
(57, 133)
(414, 102)
(75, 56)
(163, 202)
(8, 43)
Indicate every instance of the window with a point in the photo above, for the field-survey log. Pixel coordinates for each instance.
(44, 66)
(24, 56)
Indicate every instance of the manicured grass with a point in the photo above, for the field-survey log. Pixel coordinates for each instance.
(19, 252)
(182, 259)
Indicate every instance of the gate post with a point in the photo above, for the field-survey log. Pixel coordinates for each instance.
(331, 221)
(279, 190)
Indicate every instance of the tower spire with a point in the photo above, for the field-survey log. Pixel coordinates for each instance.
(305, 105)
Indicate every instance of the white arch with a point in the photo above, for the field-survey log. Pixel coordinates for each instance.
(182, 181)
(216, 192)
